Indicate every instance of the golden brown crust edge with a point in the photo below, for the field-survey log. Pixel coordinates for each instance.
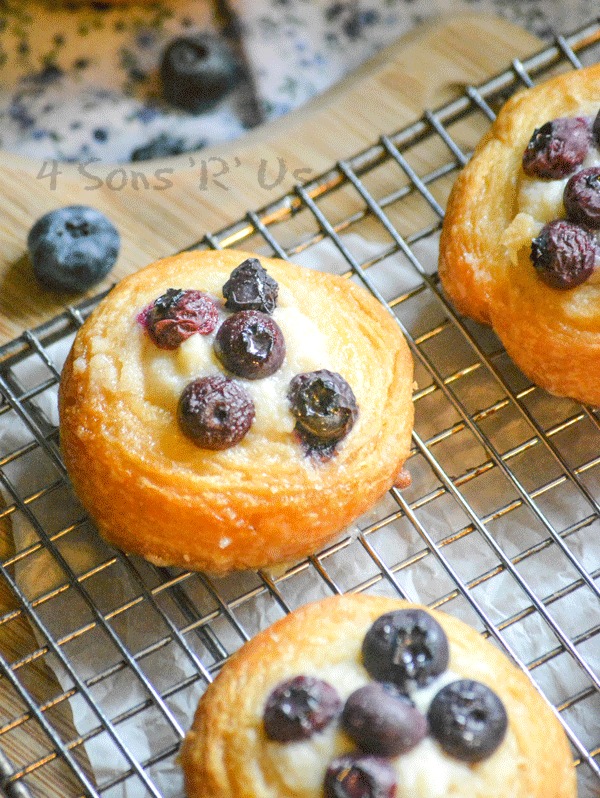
(551, 335)
(145, 507)
(217, 754)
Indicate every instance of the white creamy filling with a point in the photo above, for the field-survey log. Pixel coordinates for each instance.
(539, 201)
(425, 772)
(166, 372)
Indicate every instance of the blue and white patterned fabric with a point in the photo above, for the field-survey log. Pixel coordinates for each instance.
(80, 83)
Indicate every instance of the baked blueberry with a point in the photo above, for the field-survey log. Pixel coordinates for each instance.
(72, 248)
(250, 344)
(557, 148)
(564, 254)
(581, 197)
(324, 406)
(356, 776)
(250, 288)
(468, 720)
(178, 314)
(405, 646)
(300, 707)
(215, 412)
(160, 147)
(197, 72)
(382, 723)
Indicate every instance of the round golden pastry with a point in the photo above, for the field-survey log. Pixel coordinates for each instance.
(494, 212)
(227, 753)
(154, 492)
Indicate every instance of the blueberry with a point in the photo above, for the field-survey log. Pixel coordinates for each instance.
(300, 707)
(72, 248)
(356, 776)
(324, 406)
(557, 148)
(178, 314)
(468, 720)
(405, 646)
(215, 412)
(564, 254)
(581, 197)
(159, 147)
(197, 72)
(596, 130)
(382, 723)
(250, 344)
(250, 288)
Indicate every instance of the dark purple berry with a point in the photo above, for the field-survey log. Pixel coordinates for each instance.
(564, 254)
(582, 197)
(324, 406)
(197, 72)
(557, 148)
(405, 646)
(596, 130)
(215, 412)
(468, 720)
(299, 708)
(382, 723)
(250, 288)
(178, 314)
(250, 344)
(355, 776)
(72, 248)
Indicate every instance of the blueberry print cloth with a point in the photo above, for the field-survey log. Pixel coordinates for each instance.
(81, 83)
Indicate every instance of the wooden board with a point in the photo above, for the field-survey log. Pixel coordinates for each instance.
(159, 212)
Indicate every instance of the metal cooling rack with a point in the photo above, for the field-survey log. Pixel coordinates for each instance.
(499, 527)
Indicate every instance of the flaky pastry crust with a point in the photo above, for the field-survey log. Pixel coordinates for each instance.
(153, 492)
(225, 754)
(553, 335)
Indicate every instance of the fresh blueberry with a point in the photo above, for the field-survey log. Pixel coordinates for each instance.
(197, 72)
(596, 130)
(557, 148)
(300, 707)
(72, 248)
(178, 314)
(382, 723)
(581, 197)
(250, 288)
(324, 406)
(468, 720)
(359, 776)
(564, 254)
(159, 147)
(405, 646)
(215, 412)
(250, 344)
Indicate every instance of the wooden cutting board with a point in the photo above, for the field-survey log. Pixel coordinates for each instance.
(160, 212)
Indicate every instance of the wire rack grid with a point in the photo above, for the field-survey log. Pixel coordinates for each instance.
(499, 527)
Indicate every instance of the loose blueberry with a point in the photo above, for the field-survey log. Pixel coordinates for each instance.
(250, 344)
(215, 412)
(564, 254)
(381, 723)
(557, 148)
(324, 406)
(197, 72)
(405, 646)
(355, 776)
(250, 288)
(299, 708)
(468, 720)
(581, 197)
(72, 248)
(178, 314)
(159, 147)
